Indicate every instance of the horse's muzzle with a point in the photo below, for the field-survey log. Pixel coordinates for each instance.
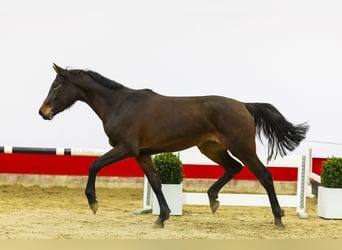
(46, 112)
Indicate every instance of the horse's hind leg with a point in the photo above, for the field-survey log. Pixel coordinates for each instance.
(218, 153)
(265, 178)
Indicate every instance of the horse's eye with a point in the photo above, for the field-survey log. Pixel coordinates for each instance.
(57, 87)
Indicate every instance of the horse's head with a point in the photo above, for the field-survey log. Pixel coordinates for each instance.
(62, 94)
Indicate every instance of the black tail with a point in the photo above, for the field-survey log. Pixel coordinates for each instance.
(282, 135)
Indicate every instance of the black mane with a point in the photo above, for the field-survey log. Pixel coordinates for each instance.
(103, 80)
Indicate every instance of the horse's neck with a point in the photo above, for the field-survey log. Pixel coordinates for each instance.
(101, 98)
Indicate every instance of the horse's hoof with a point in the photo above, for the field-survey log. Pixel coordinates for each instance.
(94, 206)
(158, 224)
(278, 224)
(279, 227)
(214, 205)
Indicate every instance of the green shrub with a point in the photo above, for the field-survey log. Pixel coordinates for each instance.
(169, 167)
(331, 176)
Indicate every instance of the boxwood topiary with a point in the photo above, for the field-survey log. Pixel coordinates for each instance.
(169, 167)
(331, 176)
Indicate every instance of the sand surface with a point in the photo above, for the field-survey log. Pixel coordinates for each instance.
(63, 213)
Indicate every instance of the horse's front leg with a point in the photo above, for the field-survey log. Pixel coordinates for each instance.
(147, 166)
(114, 155)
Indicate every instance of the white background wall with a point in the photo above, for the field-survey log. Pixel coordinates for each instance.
(287, 53)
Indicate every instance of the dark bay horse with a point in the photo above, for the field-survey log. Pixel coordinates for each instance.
(140, 123)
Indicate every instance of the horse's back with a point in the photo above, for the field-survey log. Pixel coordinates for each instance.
(218, 112)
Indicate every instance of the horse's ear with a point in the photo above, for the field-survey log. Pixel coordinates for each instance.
(59, 70)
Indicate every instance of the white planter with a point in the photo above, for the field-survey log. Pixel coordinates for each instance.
(174, 197)
(329, 203)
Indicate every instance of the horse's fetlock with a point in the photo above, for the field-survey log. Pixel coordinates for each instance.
(212, 195)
